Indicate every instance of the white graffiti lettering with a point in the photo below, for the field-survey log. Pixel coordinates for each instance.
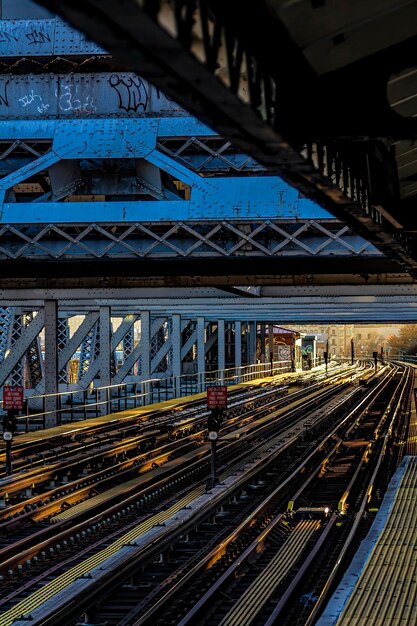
(41, 107)
(69, 100)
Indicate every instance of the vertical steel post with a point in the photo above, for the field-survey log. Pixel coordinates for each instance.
(221, 349)
(252, 343)
(263, 342)
(238, 349)
(201, 361)
(213, 466)
(105, 360)
(145, 351)
(271, 345)
(176, 354)
(51, 362)
(9, 466)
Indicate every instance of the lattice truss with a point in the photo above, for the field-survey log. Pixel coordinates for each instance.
(63, 338)
(161, 346)
(181, 239)
(6, 321)
(208, 154)
(189, 342)
(180, 176)
(89, 350)
(27, 366)
(38, 171)
(21, 360)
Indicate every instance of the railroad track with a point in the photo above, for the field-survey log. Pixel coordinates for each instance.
(274, 552)
(24, 550)
(34, 455)
(270, 453)
(91, 485)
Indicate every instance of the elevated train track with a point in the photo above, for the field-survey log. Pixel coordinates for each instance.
(19, 519)
(280, 455)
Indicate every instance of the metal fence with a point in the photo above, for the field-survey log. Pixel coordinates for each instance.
(76, 405)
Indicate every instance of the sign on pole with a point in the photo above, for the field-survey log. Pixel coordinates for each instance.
(217, 397)
(12, 398)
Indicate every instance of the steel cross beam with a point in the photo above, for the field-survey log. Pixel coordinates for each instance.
(258, 103)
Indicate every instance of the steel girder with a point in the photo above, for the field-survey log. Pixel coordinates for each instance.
(168, 166)
(29, 328)
(43, 38)
(223, 238)
(221, 61)
(6, 323)
(116, 167)
(202, 211)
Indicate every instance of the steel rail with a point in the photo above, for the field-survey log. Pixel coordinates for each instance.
(372, 391)
(358, 518)
(201, 605)
(28, 553)
(88, 564)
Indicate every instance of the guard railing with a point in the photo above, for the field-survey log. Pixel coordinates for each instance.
(81, 404)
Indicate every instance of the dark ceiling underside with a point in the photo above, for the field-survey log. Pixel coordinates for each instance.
(323, 93)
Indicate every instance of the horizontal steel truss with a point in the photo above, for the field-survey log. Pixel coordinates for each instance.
(228, 239)
(270, 109)
(132, 170)
(168, 345)
(172, 335)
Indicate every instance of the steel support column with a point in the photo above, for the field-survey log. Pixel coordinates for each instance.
(270, 342)
(201, 360)
(51, 362)
(251, 343)
(176, 354)
(105, 356)
(262, 336)
(238, 349)
(221, 349)
(145, 351)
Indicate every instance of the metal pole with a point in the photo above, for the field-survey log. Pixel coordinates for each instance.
(213, 424)
(176, 355)
(238, 349)
(352, 351)
(221, 350)
(213, 466)
(201, 360)
(9, 468)
(51, 362)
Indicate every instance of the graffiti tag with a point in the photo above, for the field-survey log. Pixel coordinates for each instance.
(6, 37)
(4, 101)
(69, 101)
(38, 37)
(131, 91)
(37, 99)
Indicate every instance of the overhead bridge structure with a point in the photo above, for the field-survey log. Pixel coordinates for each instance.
(105, 178)
(322, 93)
(152, 182)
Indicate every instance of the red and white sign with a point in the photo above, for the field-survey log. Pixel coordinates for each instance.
(12, 398)
(217, 397)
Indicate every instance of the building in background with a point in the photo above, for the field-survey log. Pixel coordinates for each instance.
(367, 337)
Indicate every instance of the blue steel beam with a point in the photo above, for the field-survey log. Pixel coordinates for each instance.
(42, 96)
(210, 197)
(270, 239)
(43, 38)
(109, 167)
